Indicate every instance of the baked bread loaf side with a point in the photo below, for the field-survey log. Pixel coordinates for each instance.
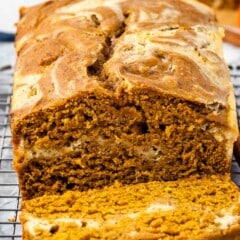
(198, 209)
(133, 91)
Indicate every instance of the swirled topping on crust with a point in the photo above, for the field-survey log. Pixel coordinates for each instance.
(68, 47)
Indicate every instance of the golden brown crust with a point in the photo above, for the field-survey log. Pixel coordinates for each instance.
(53, 63)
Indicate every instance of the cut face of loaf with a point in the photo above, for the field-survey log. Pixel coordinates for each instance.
(198, 209)
(132, 91)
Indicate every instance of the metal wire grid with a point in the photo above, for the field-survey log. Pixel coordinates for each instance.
(9, 192)
(235, 76)
(10, 199)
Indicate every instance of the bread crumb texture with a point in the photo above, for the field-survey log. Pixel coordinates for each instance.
(206, 208)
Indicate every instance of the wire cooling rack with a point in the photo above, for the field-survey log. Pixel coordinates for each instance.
(10, 199)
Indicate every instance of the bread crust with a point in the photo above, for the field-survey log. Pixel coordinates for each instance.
(48, 40)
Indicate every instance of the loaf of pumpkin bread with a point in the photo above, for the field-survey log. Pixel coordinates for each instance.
(125, 90)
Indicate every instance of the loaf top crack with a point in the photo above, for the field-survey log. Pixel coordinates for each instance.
(68, 47)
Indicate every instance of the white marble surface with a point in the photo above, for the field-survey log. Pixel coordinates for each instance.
(9, 13)
(231, 54)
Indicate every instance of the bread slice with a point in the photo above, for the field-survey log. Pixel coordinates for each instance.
(125, 90)
(193, 209)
